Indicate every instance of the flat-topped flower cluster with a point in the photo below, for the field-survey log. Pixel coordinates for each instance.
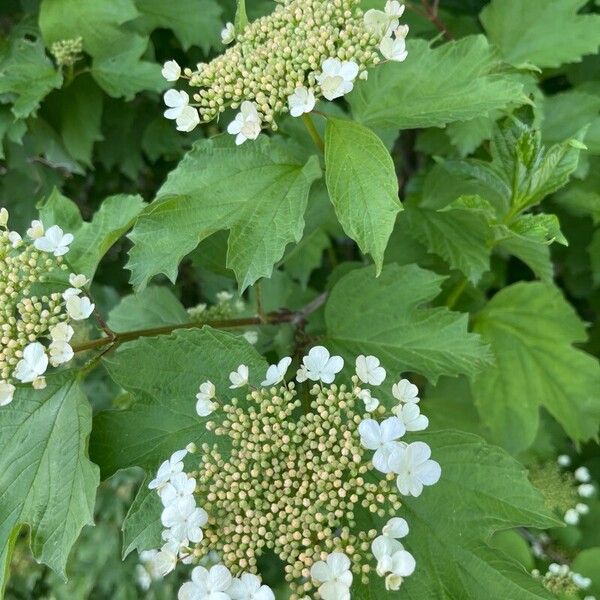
(315, 476)
(35, 329)
(284, 62)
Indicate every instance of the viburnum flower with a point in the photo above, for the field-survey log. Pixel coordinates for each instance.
(276, 373)
(394, 9)
(396, 528)
(582, 474)
(167, 469)
(319, 365)
(7, 391)
(54, 241)
(246, 125)
(250, 587)
(382, 437)
(399, 565)
(371, 403)
(60, 353)
(15, 239)
(337, 78)
(184, 519)
(78, 281)
(3, 217)
(164, 561)
(79, 307)
(62, 332)
(187, 119)
(33, 364)
(228, 33)
(207, 584)
(334, 576)
(204, 404)
(369, 370)
(414, 468)
(239, 378)
(586, 490)
(405, 391)
(394, 48)
(171, 71)
(36, 229)
(571, 517)
(410, 415)
(179, 486)
(176, 100)
(301, 101)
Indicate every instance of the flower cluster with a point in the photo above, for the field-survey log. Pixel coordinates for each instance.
(283, 62)
(585, 489)
(563, 582)
(35, 329)
(67, 52)
(312, 475)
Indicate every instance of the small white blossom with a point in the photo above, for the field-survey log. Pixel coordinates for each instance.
(184, 519)
(176, 101)
(188, 119)
(70, 292)
(228, 33)
(371, 403)
(582, 509)
(62, 332)
(410, 415)
(250, 587)
(400, 565)
(301, 101)
(204, 405)
(60, 353)
(337, 78)
(15, 239)
(239, 378)
(564, 460)
(318, 365)
(79, 308)
(224, 296)
(382, 437)
(580, 581)
(54, 241)
(167, 469)
(380, 24)
(586, 490)
(78, 281)
(163, 562)
(251, 337)
(246, 125)
(207, 584)
(39, 383)
(414, 468)
(7, 391)
(33, 364)
(171, 71)
(394, 48)
(369, 370)
(179, 486)
(3, 217)
(396, 528)
(276, 373)
(571, 517)
(383, 547)
(334, 576)
(394, 9)
(582, 474)
(36, 229)
(405, 391)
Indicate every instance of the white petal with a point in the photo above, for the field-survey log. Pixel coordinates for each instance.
(396, 527)
(370, 434)
(392, 429)
(429, 472)
(320, 571)
(338, 563)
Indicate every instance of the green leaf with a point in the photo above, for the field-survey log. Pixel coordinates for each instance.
(47, 482)
(194, 22)
(386, 317)
(153, 307)
(531, 330)
(257, 191)
(457, 81)
(163, 375)
(27, 75)
(362, 185)
(587, 563)
(525, 32)
(94, 239)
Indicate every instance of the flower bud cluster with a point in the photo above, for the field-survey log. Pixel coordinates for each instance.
(226, 307)
(562, 582)
(283, 62)
(300, 472)
(67, 52)
(580, 486)
(35, 328)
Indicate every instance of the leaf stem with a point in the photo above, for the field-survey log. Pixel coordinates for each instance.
(312, 131)
(456, 293)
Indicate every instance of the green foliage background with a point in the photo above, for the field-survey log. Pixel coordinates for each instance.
(451, 227)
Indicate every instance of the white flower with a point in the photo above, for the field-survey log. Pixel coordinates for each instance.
(77, 281)
(167, 469)
(251, 337)
(239, 378)
(301, 101)
(188, 119)
(571, 517)
(369, 370)
(379, 23)
(3, 217)
(400, 565)
(414, 469)
(246, 125)
(36, 229)
(336, 78)
(228, 33)
(382, 438)
(70, 292)
(33, 364)
(582, 474)
(394, 48)
(582, 509)
(410, 415)
(564, 460)
(320, 366)
(396, 528)
(334, 576)
(207, 585)
(405, 391)
(39, 383)
(184, 519)
(249, 587)
(54, 241)
(79, 308)
(178, 486)
(176, 101)
(586, 490)
(163, 562)
(276, 373)
(171, 71)
(580, 581)
(7, 391)
(60, 353)
(371, 403)
(224, 296)
(204, 406)
(394, 9)
(15, 239)
(62, 332)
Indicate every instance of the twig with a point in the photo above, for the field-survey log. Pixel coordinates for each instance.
(431, 13)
